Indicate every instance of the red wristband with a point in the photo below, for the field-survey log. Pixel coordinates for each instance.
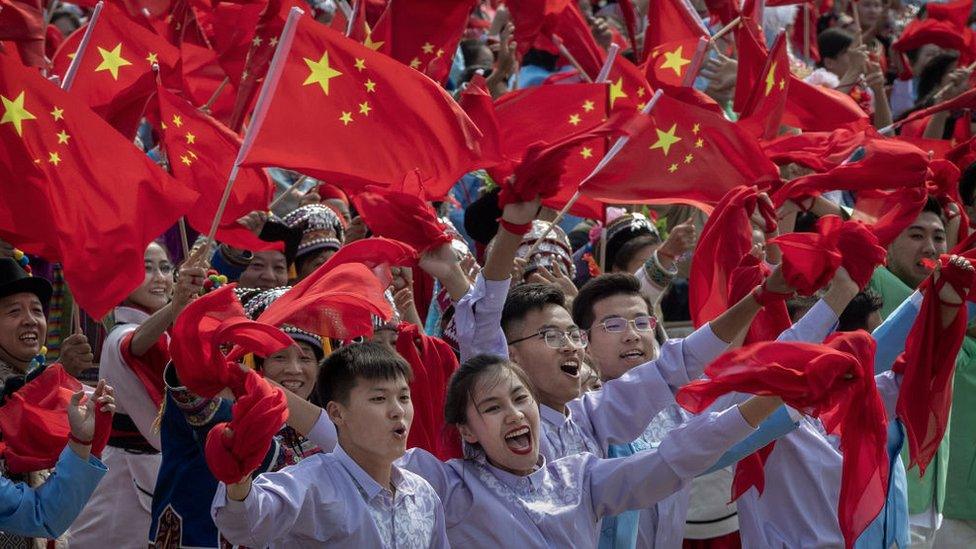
(764, 297)
(73, 438)
(515, 229)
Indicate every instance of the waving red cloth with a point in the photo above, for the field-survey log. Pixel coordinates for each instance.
(771, 319)
(814, 378)
(928, 363)
(149, 366)
(727, 237)
(204, 327)
(943, 185)
(432, 361)
(34, 422)
(889, 212)
(401, 215)
(819, 151)
(234, 449)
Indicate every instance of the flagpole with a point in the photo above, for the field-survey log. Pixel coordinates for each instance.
(260, 111)
(213, 98)
(806, 32)
(351, 16)
(69, 76)
(619, 144)
(725, 30)
(858, 40)
(184, 240)
(608, 64)
(891, 127)
(696, 62)
(569, 57)
(291, 188)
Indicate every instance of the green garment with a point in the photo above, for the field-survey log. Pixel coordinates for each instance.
(922, 491)
(960, 497)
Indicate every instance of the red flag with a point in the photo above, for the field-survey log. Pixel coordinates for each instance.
(425, 33)
(115, 77)
(374, 119)
(820, 109)
(966, 100)
(752, 54)
(534, 17)
(682, 154)
(945, 34)
(102, 200)
(963, 154)
(414, 223)
(477, 103)
(764, 110)
(22, 26)
(819, 151)
(629, 14)
(673, 21)
(201, 153)
(203, 77)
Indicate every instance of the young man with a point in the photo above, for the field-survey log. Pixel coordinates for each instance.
(354, 496)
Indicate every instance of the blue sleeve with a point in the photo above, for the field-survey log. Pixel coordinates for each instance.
(777, 425)
(892, 333)
(48, 510)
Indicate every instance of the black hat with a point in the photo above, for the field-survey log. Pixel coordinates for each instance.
(14, 280)
(276, 230)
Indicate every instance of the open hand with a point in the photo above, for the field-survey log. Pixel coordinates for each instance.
(81, 417)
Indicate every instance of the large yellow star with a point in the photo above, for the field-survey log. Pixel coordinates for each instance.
(15, 113)
(372, 45)
(665, 139)
(674, 61)
(63, 137)
(771, 78)
(617, 91)
(320, 72)
(112, 60)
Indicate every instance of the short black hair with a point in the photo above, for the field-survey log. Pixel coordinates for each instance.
(602, 287)
(932, 206)
(967, 184)
(855, 315)
(833, 42)
(526, 298)
(464, 380)
(342, 369)
(625, 254)
(930, 77)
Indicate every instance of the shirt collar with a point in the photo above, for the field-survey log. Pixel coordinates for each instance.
(535, 478)
(368, 484)
(551, 416)
(130, 315)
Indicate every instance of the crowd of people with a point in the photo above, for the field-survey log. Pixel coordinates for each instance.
(789, 366)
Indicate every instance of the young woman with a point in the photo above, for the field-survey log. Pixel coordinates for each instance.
(504, 494)
(133, 357)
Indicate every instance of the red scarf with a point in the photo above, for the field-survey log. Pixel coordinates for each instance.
(149, 366)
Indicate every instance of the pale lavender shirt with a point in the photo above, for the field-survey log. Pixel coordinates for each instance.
(478, 318)
(562, 502)
(328, 498)
(798, 508)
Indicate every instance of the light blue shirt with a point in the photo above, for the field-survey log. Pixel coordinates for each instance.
(48, 510)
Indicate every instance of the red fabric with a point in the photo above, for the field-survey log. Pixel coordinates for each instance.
(34, 422)
(673, 21)
(406, 111)
(966, 100)
(22, 25)
(691, 96)
(817, 109)
(101, 199)
(861, 251)
(201, 330)
(401, 216)
(881, 163)
(796, 37)
(752, 54)
(928, 364)
(233, 26)
(201, 153)
(668, 63)
(202, 77)
(944, 34)
(771, 319)
(681, 154)
(119, 98)
(955, 12)
(810, 259)
(424, 33)
(629, 14)
(813, 378)
(963, 154)
(478, 105)
(937, 148)
(375, 251)
(327, 191)
(943, 185)
(336, 301)
(819, 151)
(889, 212)
(150, 366)
(764, 110)
(532, 17)
(234, 449)
(432, 362)
(725, 240)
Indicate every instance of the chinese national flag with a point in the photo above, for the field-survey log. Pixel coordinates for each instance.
(22, 29)
(115, 77)
(819, 109)
(77, 192)
(751, 49)
(668, 63)
(201, 153)
(681, 153)
(341, 111)
(764, 110)
(424, 33)
(674, 24)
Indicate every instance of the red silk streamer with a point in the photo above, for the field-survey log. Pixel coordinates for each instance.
(771, 319)
(833, 381)
(415, 222)
(928, 364)
(234, 449)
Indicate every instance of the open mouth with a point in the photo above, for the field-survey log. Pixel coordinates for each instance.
(158, 291)
(633, 354)
(400, 433)
(292, 385)
(570, 368)
(29, 338)
(519, 440)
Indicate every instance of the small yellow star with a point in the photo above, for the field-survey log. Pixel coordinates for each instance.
(588, 105)
(257, 41)
(370, 86)
(641, 105)
(63, 137)
(186, 160)
(695, 129)
(673, 168)
(364, 108)
(574, 119)
(586, 152)
(771, 78)
(665, 139)
(689, 158)
(112, 60)
(15, 113)
(372, 45)
(617, 91)
(320, 72)
(360, 64)
(177, 120)
(415, 63)
(163, 124)
(641, 91)
(57, 113)
(244, 75)
(190, 138)
(153, 58)
(440, 52)
(699, 143)
(54, 158)
(346, 118)
(782, 84)
(192, 154)
(427, 47)
(273, 41)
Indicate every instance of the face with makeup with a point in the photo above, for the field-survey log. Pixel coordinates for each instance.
(157, 287)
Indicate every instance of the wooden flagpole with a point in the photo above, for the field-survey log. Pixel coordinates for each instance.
(213, 98)
(291, 189)
(725, 30)
(69, 76)
(569, 57)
